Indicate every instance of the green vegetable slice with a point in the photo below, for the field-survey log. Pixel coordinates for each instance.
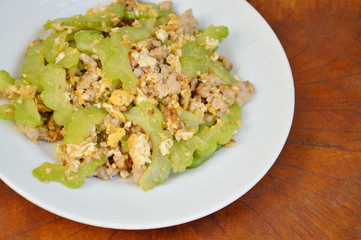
(132, 15)
(115, 60)
(86, 40)
(7, 112)
(26, 112)
(82, 122)
(195, 50)
(182, 153)
(70, 58)
(148, 24)
(190, 120)
(150, 118)
(53, 81)
(63, 115)
(34, 63)
(54, 172)
(223, 73)
(134, 34)
(219, 134)
(214, 32)
(5, 80)
(34, 59)
(102, 21)
(195, 59)
(54, 45)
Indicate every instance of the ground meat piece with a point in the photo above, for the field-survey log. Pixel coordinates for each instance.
(85, 92)
(138, 72)
(244, 91)
(211, 79)
(166, 5)
(194, 82)
(168, 83)
(187, 22)
(137, 173)
(228, 93)
(50, 132)
(186, 95)
(159, 53)
(105, 172)
(204, 90)
(89, 86)
(154, 44)
(196, 106)
(32, 133)
(216, 93)
(168, 86)
(116, 164)
(218, 104)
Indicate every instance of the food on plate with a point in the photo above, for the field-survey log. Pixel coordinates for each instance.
(131, 89)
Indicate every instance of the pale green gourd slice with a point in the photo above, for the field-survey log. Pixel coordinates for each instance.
(150, 118)
(48, 172)
(26, 112)
(82, 123)
(5, 80)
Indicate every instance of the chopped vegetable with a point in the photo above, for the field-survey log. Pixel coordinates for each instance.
(150, 118)
(54, 45)
(195, 59)
(223, 73)
(48, 172)
(87, 39)
(190, 120)
(217, 33)
(70, 58)
(115, 60)
(7, 112)
(5, 80)
(26, 112)
(182, 153)
(82, 122)
(105, 20)
(219, 134)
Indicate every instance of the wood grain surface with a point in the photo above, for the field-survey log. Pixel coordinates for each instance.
(314, 189)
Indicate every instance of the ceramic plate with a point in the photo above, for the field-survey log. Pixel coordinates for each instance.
(257, 56)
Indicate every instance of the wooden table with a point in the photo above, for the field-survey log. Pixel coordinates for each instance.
(314, 189)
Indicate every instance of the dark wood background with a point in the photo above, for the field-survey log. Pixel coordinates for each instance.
(314, 189)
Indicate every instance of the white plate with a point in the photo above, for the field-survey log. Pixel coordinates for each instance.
(257, 55)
